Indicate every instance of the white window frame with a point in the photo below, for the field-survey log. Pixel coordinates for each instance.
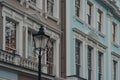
(9, 19)
(81, 11)
(44, 61)
(80, 38)
(17, 18)
(55, 9)
(80, 57)
(89, 13)
(31, 55)
(92, 25)
(115, 58)
(56, 39)
(92, 61)
(102, 16)
(116, 32)
(79, 15)
(102, 64)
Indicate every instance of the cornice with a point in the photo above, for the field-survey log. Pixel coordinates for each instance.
(111, 7)
(29, 16)
(115, 54)
(89, 37)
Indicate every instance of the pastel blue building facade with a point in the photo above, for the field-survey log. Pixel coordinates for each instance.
(93, 39)
(6, 74)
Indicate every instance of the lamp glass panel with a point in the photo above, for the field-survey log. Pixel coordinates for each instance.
(44, 42)
(40, 41)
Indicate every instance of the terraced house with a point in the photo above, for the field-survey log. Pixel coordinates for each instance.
(92, 39)
(84, 38)
(19, 20)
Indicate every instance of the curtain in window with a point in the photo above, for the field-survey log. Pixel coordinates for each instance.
(10, 36)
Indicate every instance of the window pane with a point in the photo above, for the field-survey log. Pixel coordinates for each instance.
(77, 2)
(10, 36)
(89, 13)
(114, 70)
(77, 8)
(100, 65)
(89, 62)
(30, 44)
(114, 32)
(50, 7)
(99, 22)
(77, 56)
(49, 59)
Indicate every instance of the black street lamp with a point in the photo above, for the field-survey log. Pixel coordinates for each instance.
(41, 41)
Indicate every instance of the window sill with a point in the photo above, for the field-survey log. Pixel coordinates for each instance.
(52, 18)
(79, 19)
(116, 44)
(101, 34)
(91, 27)
(83, 22)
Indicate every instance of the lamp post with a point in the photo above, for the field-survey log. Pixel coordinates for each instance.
(41, 41)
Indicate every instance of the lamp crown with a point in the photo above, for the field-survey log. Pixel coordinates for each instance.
(41, 30)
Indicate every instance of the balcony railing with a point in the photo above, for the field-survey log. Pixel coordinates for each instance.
(15, 59)
(20, 62)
